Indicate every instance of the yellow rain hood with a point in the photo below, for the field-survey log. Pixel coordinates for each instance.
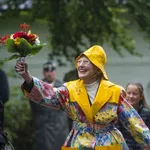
(97, 56)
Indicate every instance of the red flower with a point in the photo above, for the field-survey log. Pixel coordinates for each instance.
(32, 38)
(21, 35)
(3, 39)
(24, 26)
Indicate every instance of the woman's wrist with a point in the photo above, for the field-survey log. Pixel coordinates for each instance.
(27, 77)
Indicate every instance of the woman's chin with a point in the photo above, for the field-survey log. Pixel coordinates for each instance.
(82, 77)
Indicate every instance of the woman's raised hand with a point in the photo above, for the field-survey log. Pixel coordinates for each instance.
(22, 69)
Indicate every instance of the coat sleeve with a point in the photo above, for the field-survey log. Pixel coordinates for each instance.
(131, 120)
(45, 94)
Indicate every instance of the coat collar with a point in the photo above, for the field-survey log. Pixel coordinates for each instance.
(102, 97)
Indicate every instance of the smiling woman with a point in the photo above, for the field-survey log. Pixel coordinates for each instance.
(86, 70)
(92, 102)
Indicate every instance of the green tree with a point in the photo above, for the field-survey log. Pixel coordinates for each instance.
(18, 121)
(140, 11)
(77, 24)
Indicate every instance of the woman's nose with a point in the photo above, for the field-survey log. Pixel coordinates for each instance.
(81, 64)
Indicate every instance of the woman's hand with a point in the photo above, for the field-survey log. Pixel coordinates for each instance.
(22, 69)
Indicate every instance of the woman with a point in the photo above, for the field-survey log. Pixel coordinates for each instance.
(92, 102)
(136, 98)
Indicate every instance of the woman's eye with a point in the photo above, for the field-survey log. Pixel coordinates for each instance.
(86, 62)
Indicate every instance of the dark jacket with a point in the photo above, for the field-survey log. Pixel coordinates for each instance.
(4, 89)
(51, 126)
(4, 94)
(132, 144)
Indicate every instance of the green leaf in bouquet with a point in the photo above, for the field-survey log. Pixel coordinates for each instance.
(24, 48)
(15, 56)
(36, 49)
(10, 44)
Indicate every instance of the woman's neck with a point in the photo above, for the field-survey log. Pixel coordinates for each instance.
(90, 81)
(91, 84)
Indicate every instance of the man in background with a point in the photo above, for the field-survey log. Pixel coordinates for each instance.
(51, 126)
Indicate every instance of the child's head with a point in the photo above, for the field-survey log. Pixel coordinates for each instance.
(135, 93)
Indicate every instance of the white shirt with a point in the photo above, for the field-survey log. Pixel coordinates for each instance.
(92, 90)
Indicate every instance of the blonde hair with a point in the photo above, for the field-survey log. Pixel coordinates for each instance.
(141, 89)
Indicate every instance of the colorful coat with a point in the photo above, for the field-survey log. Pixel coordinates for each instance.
(93, 125)
(132, 144)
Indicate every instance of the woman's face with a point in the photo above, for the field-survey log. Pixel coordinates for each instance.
(86, 70)
(134, 94)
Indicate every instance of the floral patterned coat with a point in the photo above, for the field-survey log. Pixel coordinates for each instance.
(93, 125)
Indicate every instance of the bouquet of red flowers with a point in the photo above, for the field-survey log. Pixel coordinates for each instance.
(22, 43)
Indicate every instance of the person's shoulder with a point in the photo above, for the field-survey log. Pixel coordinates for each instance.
(145, 110)
(112, 85)
(58, 83)
(73, 83)
(2, 74)
(115, 88)
(144, 113)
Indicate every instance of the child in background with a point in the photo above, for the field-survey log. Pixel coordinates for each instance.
(135, 96)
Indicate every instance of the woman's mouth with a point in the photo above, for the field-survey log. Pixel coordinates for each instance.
(82, 70)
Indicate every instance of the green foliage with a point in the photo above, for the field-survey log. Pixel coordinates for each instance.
(23, 49)
(11, 46)
(1, 63)
(18, 124)
(140, 11)
(15, 56)
(75, 25)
